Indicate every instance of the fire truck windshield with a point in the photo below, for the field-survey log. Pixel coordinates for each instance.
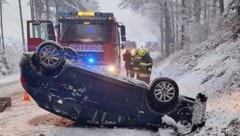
(80, 32)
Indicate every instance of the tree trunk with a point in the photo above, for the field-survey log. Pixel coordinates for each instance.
(161, 27)
(177, 21)
(168, 29)
(205, 11)
(214, 8)
(183, 37)
(39, 9)
(221, 6)
(1, 25)
(32, 9)
(172, 35)
(57, 9)
(4, 69)
(162, 34)
(22, 28)
(189, 10)
(197, 10)
(35, 14)
(47, 10)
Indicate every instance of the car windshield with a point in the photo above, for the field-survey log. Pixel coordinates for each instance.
(76, 32)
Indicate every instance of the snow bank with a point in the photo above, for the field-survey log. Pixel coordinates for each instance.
(213, 68)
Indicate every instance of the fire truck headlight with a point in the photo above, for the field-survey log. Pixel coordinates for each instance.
(111, 69)
(133, 51)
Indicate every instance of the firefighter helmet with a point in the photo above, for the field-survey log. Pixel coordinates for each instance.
(141, 52)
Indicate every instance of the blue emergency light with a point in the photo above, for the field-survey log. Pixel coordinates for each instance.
(65, 13)
(91, 60)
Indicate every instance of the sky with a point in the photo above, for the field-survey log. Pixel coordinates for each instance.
(11, 18)
(137, 27)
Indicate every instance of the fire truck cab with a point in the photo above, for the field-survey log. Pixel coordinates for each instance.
(95, 38)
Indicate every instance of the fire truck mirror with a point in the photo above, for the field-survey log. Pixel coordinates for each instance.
(123, 32)
(123, 38)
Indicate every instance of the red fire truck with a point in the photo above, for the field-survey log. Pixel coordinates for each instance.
(95, 36)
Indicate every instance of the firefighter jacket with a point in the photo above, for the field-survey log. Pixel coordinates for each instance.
(142, 64)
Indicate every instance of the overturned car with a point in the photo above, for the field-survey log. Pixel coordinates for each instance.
(90, 96)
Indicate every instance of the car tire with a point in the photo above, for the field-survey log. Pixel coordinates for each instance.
(50, 55)
(163, 95)
(70, 54)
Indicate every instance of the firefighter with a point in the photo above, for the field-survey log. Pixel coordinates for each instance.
(127, 56)
(142, 65)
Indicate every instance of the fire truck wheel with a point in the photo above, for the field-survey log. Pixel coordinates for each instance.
(70, 54)
(163, 95)
(50, 55)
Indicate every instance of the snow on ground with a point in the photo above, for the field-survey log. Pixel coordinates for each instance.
(213, 68)
(10, 78)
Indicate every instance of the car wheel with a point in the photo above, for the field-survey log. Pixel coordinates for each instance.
(50, 55)
(70, 54)
(163, 95)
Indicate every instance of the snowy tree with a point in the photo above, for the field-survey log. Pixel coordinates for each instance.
(232, 17)
(1, 26)
(183, 19)
(48, 9)
(21, 21)
(179, 22)
(221, 6)
(168, 28)
(233, 8)
(162, 13)
(197, 10)
(4, 69)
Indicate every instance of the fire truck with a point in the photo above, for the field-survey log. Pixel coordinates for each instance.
(92, 38)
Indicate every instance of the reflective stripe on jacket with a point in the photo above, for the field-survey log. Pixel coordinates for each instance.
(143, 75)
